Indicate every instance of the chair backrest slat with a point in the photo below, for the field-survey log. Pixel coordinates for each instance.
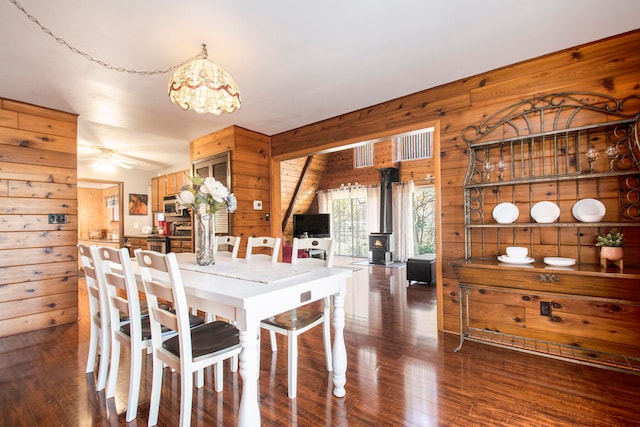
(162, 280)
(325, 245)
(166, 318)
(122, 289)
(272, 243)
(231, 241)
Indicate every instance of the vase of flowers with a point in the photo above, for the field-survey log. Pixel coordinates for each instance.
(206, 196)
(611, 248)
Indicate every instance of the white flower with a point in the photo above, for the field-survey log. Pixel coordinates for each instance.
(185, 197)
(215, 188)
(206, 196)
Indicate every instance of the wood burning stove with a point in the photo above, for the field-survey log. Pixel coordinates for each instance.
(381, 244)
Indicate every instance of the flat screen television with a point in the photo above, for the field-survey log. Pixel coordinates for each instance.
(315, 225)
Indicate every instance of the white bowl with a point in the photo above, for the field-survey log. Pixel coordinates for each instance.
(545, 212)
(559, 261)
(517, 252)
(505, 213)
(588, 210)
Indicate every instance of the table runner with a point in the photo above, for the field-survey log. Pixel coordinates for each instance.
(255, 272)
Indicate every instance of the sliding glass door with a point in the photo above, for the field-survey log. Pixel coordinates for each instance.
(349, 223)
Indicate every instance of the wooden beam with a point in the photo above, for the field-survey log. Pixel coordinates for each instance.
(292, 203)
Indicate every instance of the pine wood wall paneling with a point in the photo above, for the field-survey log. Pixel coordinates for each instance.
(92, 211)
(250, 155)
(609, 66)
(38, 260)
(306, 201)
(36, 172)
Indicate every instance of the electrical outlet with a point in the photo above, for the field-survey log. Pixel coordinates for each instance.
(57, 218)
(257, 205)
(545, 308)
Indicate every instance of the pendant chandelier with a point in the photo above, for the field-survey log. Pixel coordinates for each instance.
(202, 86)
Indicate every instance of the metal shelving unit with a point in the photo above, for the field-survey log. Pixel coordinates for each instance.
(545, 148)
(544, 143)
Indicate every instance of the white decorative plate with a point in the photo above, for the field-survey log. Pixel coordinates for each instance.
(545, 212)
(509, 260)
(505, 213)
(588, 210)
(559, 261)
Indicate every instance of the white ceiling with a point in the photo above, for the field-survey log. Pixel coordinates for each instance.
(296, 62)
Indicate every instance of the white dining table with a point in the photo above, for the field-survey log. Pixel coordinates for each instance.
(249, 291)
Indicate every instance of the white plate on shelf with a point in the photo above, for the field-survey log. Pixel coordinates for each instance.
(508, 260)
(588, 210)
(559, 261)
(545, 212)
(505, 213)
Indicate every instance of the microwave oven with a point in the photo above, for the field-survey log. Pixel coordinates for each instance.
(172, 209)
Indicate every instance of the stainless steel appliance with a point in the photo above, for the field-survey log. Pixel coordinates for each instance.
(158, 244)
(171, 208)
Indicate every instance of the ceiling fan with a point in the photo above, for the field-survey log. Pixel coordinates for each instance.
(106, 158)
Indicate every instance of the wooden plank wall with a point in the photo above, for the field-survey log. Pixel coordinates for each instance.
(306, 202)
(331, 170)
(38, 268)
(250, 176)
(93, 211)
(610, 66)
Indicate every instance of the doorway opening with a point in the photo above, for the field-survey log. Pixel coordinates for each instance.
(101, 211)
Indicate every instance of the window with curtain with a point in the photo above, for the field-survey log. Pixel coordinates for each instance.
(424, 215)
(112, 204)
(354, 214)
(413, 220)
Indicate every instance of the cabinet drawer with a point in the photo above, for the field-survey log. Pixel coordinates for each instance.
(186, 244)
(175, 244)
(540, 279)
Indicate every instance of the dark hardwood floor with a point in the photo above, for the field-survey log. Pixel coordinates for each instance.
(401, 372)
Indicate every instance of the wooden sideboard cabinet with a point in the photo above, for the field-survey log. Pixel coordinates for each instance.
(582, 314)
(559, 148)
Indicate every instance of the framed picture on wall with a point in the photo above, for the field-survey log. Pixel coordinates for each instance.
(137, 204)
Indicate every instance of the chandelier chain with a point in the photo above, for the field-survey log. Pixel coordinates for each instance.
(202, 54)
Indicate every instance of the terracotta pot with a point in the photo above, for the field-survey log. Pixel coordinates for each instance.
(611, 253)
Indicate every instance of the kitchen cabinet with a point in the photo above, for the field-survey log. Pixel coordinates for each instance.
(174, 182)
(135, 242)
(181, 244)
(167, 185)
(156, 195)
(547, 150)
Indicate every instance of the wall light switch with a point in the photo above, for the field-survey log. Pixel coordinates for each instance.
(257, 205)
(135, 225)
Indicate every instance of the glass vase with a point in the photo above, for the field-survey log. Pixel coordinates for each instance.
(205, 254)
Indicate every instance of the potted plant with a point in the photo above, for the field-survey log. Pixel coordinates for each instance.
(611, 248)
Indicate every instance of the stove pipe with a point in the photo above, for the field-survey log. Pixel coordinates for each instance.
(387, 177)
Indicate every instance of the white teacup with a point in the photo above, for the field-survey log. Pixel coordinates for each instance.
(517, 252)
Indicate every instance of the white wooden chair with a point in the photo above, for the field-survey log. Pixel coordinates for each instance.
(124, 301)
(272, 243)
(300, 320)
(231, 242)
(100, 335)
(191, 350)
